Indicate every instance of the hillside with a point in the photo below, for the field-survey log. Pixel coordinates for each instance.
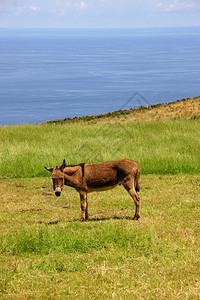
(46, 253)
(167, 145)
(181, 109)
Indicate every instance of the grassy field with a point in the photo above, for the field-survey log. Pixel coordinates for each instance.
(160, 147)
(46, 253)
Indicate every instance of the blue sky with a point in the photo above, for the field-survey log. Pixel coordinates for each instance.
(99, 13)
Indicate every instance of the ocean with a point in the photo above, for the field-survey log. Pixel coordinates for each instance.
(48, 74)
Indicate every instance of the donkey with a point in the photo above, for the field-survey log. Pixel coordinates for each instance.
(95, 177)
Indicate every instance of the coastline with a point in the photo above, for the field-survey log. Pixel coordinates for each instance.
(186, 108)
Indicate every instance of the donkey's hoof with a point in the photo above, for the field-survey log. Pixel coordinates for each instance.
(136, 217)
(82, 220)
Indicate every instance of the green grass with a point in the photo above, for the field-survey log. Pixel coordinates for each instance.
(46, 253)
(160, 147)
(74, 238)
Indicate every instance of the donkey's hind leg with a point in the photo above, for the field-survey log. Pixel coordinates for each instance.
(128, 183)
(84, 206)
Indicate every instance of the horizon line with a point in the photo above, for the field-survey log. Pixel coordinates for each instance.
(83, 28)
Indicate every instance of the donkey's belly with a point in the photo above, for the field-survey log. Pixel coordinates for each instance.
(101, 189)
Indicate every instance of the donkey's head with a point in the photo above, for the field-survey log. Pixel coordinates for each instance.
(57, 178)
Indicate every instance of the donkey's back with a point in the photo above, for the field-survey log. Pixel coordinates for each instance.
(111, 173)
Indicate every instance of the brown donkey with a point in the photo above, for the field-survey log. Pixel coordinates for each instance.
(87, 178)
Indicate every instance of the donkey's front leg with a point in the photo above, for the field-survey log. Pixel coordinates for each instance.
(84, 206)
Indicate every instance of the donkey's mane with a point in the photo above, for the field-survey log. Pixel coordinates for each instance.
(81, 164)
(82, 167)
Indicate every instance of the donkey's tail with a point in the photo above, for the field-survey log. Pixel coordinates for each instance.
(137, 180)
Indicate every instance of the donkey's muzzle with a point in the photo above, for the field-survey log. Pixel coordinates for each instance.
(58, 192)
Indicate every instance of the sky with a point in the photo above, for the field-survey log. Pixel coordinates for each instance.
(99, 13)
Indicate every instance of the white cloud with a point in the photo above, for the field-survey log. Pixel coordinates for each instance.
(170, 7)
(34, 8)
(82, 5)
(61, 3)
(160, 4)
(59, 7)
(67, 4)
(191, 5)
(176, 5)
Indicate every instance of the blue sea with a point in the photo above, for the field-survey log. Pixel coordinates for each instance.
(48, 74)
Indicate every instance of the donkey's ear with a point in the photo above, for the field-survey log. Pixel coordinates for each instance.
(63, 165)
(49, 169)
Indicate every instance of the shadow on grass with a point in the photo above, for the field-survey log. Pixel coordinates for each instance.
(92, 219)
(102, 218)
